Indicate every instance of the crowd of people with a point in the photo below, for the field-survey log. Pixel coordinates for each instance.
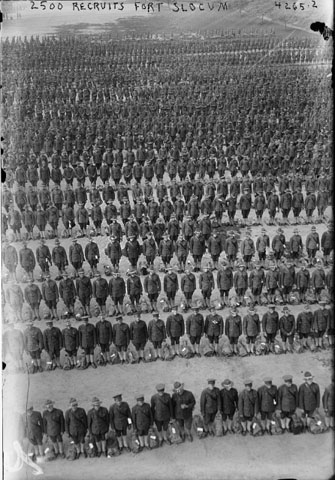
(170, 418)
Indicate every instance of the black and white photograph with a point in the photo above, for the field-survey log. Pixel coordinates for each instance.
(167, 240)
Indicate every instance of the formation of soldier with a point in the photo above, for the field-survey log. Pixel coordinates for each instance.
(123, 343)
(148, 424)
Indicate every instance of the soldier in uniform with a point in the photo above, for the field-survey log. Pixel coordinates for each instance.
(312, 245)
(175, 328)
(247, 406)
(183, 403)
(120, 420)
(241, 283)
(213, 329)
(43, 256)
(188, 287)
(206, 285)
(33, 345)
(142, 420)
(84, 291)
(117, 291)
(162, 412)
(287, 401)
(287, 329)
(305, 321)
(59, 258)
(302, 279)
(157, 334)
(27, 260)
(197, 249)
(210, 404)
(328, 404)
(262, 243)
(100, 292)
(70, 342)
(195, 328)
(149, 249)
(76, 255)
(296, 245)
(121, 338)
(318, 281)
(104, 333)
(54, 427)
(76, 426)
(309, 397)
(88, 340)
(251, 328)
(132, 251)
(327, 243)
(171, 286)
(270, 325)
(272, 282)
(53, 343)
(92, 255)
(248, 249)
(229, 404)
(224, 282)
(267, 400)
(321, 323)
(152, 286)
(134, 290)
(50, 295)
(98, 425)
(34, 430)
(67, 292)
(139, 335)
(10, 259)
(256, 281)
(113, 251)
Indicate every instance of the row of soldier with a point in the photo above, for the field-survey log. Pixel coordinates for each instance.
(316, 325)
(221, 409)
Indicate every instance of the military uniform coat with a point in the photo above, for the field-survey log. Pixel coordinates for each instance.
(233, 326)
(121, 335)
(53, 340)
(70, 338)
(117, 287)
(104, 332)
(33, 339)
(118, 416)
(142, 416)
(309, 397)
(213, 325)
(267, 398)
(229, 401)
(67, 291)
(100, 288)
(270, 322)
(195, 325)
(50, 291)
(87, 335)
(98, 421)
(251, 325)
(185, 398)
(76, 422)
(175, 326)
(287, 397)
(27, 259)
(84, 287)
(138, 332)
(156, 330)
(248, 403)
(161, 407)
(152, 284)
(53, 422)
(210, 401)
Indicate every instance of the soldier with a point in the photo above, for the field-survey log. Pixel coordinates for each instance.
(157, 334)
(278, 245)
(267, 400)
(286, 280)
(87, 341)
(139, 336)
(132, 251)
(272, 281)
(309, 397)
(113, 251)
(27, 260)
(54, 427)
(262, 243)
(296, 245)
(251, 328)
(70, 342)
(121, 338)
(287, 401)
(233, 329)
(50, 295)
(10, 259)
(210, 404)
(166, 250)
(84, 291)
(98, 425)
(59, 258)
(92, 255)
(33, 345)
(224, 282)
(152, 286)
(76, 426)
(256, 282)
(241, 283)
(53, 343)
(34, 430)
(14, 297)
(76, 255)
(328, 404)
(229, 404)
(188, 287)
(104, 333)
(13, 346)
(142, 420)
(149, 249)
(215, 247)
(117, 291)
(120, 420)
(68, 219)
(82, 218)
(197, 249)
(195, 328)
(286, 204)
(175, 328)
(327, 243)
(43, 256)
(213, 329)
(171, 286)
(247, 406)
(162, 412)
(310, 204)
(183, 403)
(321, 323)
(312, 245)
(305, 321)
(245, 205)
(303, 279)
(231, 248)
(206, 285)
(270, 325)
(134, 290)
(67, 292)
(287, 328)
(231, 206)
(100, 292)
(318, 281)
